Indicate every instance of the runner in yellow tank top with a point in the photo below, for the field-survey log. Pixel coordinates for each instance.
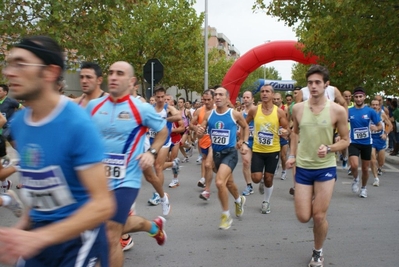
(267, 121)
(314, 121)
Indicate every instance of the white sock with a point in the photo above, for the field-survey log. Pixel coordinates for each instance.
(238, 200)
(227, 212)
(6, 200)
(268, 193)
(164, 198)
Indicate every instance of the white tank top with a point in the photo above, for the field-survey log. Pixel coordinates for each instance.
(329, 93)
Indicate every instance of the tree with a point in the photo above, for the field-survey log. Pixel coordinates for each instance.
(107, 31)
(355, 39)
(219, 64)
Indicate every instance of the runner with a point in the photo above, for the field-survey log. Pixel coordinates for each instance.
(123, 120)
(314, 124)
(204, 144)
(277, 100)
(270, 122)
(379, 143)
(222, 124)
(360, 118)
(248, 100)
(63, 182)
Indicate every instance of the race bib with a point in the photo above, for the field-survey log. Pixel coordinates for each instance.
(45, 189)
(115, 166)
(151, 133)
(220, 136)
(265, 139)
(361, 133)
(251, 131)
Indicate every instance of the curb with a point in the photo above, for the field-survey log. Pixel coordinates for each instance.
(391, 159)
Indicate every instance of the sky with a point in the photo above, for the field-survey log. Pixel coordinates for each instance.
(247, 29)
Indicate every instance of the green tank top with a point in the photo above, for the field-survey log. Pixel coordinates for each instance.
(315, 130)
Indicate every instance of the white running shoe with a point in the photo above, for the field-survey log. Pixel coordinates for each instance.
(376, 182)
(165, 205)
(363, 193)
(355, 186)
(175, 183)
(283, 175)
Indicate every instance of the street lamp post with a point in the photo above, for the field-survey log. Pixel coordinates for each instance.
(206, 47)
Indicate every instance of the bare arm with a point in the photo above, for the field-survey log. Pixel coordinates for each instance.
(294, 137)
(251, 114)
(201, 128)
(194, 121)
(180, 128)
(342, 127)
(387, 122)
(340, 99)
(174, 114)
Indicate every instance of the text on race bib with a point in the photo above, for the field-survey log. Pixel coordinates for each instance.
(151, 133)
(115, 166)
(361, 133)
(45, 189)
(265, 139)
(251, 131)
(220, 136)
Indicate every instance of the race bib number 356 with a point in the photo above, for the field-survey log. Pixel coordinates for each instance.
(115, 166)
(220, 136)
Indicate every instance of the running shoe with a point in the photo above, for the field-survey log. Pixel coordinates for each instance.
(165, 205)
(317, 259)
(199, 159)
(185, 160)
(15, 205)
(175, 183)
(292, 191)
(344, 163)
(363, 193)
(283, 175)
(205, 195)
(349, 171)
(376, 182)
(262, 187)
(379, 171)
(160, 237)
(201, 182)
(355, 186)
(176, 167)
(265, 207)
(4, 188)
(240, 207)
(155, 200)
(225, 222)
(126, 243)
(248, 191)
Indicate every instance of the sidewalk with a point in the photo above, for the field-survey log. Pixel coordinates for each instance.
(391, 159)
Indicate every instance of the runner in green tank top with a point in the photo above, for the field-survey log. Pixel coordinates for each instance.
(313, 124)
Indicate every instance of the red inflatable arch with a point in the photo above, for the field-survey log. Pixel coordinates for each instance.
(253, 59)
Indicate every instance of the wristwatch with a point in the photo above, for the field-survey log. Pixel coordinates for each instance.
(328, 149)
(153, 151)
(246, 142)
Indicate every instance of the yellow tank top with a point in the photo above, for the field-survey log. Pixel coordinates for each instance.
(266, 139)
(315, 130)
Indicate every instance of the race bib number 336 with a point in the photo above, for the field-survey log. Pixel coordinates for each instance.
(115, 166)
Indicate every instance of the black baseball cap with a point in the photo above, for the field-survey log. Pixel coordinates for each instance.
(359, 90)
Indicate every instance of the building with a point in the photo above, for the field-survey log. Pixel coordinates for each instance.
(220, 41)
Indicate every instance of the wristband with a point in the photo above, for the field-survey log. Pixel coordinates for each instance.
(245, 142)
(291, 157)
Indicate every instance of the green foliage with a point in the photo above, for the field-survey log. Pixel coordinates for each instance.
(108, 31)
(219, 64)
(355, 39)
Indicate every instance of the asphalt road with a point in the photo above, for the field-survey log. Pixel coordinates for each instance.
(362, 232)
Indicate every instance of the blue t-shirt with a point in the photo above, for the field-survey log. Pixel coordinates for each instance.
(222, 129)
(51, 151)
(251, 130)
(360, 120)
(123, 126)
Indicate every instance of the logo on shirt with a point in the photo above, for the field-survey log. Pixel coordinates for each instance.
(32, 155)
(103, 112)
(219, 125)
(124, 115)
(352, 117)
(365, 116)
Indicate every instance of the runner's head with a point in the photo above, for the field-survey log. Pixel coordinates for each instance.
(359, 96)
(296, 90)
(222, 97)
(33, 67)
(91, 77)
(277, 100)
(3, 91)
(266, 93)
(152, 100)
(160, 96)
(208, 97)
(375, 104)
(247, 98)
(318, 79)
(347, 96)
(288, 99)
(120, 79)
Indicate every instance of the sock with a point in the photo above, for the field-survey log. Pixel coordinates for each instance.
(363, 187)
(154, 229)
(283, 171)
(4, 183)
(250, 185)
(6, 200)
(227, 212)
(175, 180)
(164, 198)
(238, 200)
(357, 178)
(319, 250)
(268, 193)
(126, 238)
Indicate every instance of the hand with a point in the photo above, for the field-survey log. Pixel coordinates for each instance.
(200, 130)
(373, 128)
(284, 133)
(146, 160)
(239, 144)
(244, 149)
(290, 163)
(15, 243)
(383, 136)
(322, 152)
